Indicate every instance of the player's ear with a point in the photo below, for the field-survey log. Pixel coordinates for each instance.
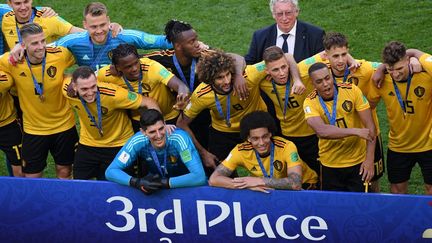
(177, 46)
(84, 24)
(142, 131)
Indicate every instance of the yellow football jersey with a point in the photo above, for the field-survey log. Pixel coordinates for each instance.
(285, 156)
(362, 77)
(53, 27)
(203, 97)
(426, 61)
(116, 125)
(409, 131)
(155, 79)
(7, 108)
(52, 115)
(293, 123)
(348, 151)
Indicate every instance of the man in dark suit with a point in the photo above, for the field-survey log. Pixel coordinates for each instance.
(293, 36)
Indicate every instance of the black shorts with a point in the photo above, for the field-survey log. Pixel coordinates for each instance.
(378, 159)
(222, 142)
(342, 179)
(35, 149)
(307, 147)
(200, 126)
(91, 162)
(10, 142)
(399, 166)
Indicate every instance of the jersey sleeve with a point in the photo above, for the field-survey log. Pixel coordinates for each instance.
(124, 159)
(68, 57)
(426, 62)
(361, 102)
(102, 73)
(159, 73)
(233, 160)
(145, 41)
(190, 157)
(293, 158)
(125, 99)
(254, 74)
(6, 82)
(62, 26)
(304, 65)
(310, 109)
(194, 107)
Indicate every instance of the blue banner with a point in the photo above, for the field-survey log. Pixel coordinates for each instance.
(49, 210)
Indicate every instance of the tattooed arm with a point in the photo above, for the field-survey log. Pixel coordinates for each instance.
(292, 182)
(263, 184)
(220, 177)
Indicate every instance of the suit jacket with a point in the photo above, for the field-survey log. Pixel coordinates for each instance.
(308, 42)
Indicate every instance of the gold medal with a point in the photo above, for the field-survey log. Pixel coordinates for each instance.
(42, 97)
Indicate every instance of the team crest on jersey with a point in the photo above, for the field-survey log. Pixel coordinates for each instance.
(278, 165)
(172, 159)
(104, 110)
(353, 80)
(52, 71)
(347, 106)
(146, 86)
(419, 91)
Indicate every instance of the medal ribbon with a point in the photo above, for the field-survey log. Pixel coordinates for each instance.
(17, 28)
(99, 112)
(228, 109)
(398, 94)
(345, 77)
(332, 117)
(139, 82)
(287, 93)
(182, 76)
(161, 168)
(38, 87)
(271, 162)
(100, 53)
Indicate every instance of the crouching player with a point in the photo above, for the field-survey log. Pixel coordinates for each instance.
(171, 159)
(272, 161)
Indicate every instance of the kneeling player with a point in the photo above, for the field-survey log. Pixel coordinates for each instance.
(272, 161)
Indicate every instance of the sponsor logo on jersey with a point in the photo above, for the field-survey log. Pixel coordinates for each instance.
(254, 169)
(11, 32)
(347, 106)
(85, 57)
(391, 93)
(22, 74)
(419, 91)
